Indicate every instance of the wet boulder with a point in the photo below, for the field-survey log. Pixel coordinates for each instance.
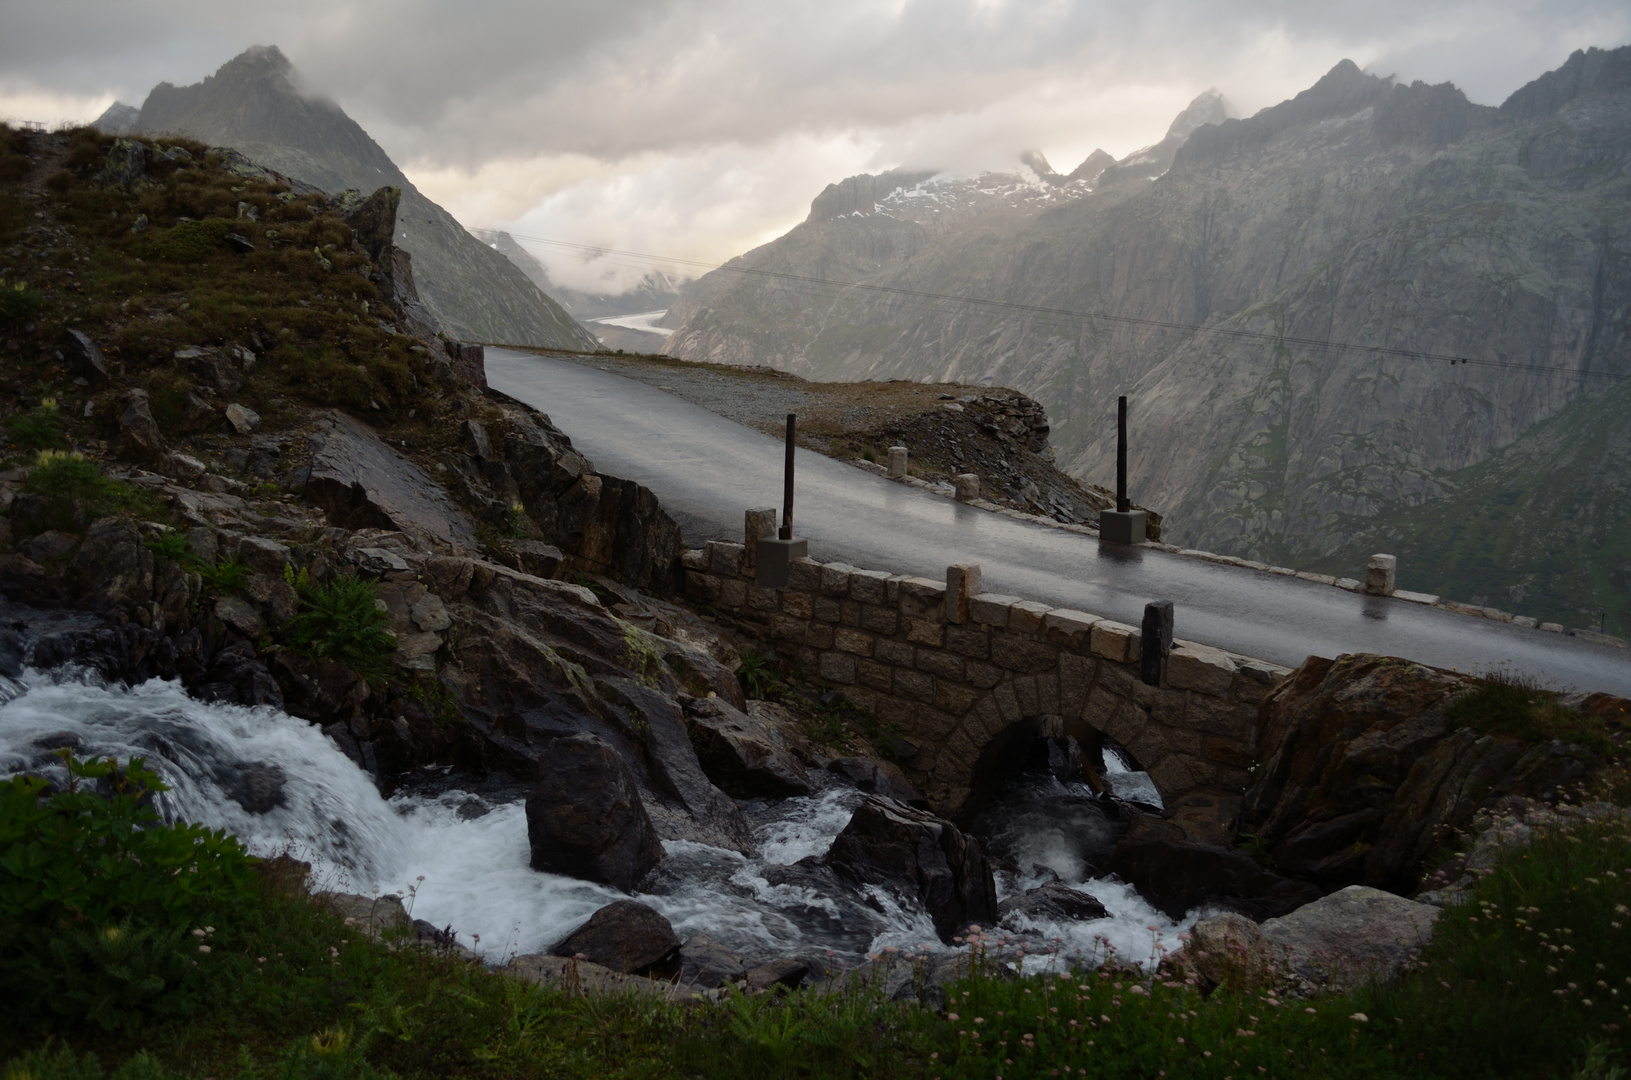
(925, 861)
(318, 690)
(1053, 902)
(708, 962)
(237, 675)
(740, 758)
(879, 778)
(585, 818)
(1176, 876)
(627, 937)
(254, 785)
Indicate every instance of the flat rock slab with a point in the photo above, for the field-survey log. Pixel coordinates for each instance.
(1353, 935)
(360, 483)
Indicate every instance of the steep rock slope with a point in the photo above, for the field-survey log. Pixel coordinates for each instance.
(1360, 211)
(254, 105)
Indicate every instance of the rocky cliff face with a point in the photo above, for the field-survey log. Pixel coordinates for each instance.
(1360, 211)
(253, 104)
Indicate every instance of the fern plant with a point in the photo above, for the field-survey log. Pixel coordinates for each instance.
(342, 619)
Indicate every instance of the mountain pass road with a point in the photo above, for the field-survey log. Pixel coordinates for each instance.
(708, 470)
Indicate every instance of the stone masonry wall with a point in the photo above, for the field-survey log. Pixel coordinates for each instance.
(962, 673)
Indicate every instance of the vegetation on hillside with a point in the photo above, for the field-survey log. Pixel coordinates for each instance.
(198, 250)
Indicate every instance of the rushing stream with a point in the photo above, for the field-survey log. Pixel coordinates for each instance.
(460, 857)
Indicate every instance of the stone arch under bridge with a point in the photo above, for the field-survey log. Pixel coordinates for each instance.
(963, 674)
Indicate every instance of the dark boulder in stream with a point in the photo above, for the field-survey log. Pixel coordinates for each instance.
(1053, 902)
(585, 818)
(627, 937)
(923, 859)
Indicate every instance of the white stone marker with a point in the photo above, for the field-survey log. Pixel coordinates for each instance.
(968, 486)
(897, 462)
(1381, 574)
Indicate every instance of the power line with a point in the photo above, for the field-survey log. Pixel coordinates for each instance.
(1336, 348)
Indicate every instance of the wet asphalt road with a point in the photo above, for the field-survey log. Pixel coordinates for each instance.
(707, 470)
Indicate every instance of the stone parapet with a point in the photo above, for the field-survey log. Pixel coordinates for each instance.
(960, 671)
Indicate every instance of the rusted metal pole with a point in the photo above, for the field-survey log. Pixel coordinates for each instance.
(1122, 506)
(786, 532)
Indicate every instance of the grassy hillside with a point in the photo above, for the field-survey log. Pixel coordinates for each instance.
(150, 269)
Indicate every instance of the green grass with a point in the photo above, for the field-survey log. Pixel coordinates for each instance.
(1512, 705)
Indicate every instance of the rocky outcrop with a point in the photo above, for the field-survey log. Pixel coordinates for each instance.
(585, 818)
(361, 483)
(600, 524)
(923, 860)
(1362, 779)
(627, 937)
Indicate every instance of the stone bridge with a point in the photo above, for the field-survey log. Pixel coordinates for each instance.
(972, 679)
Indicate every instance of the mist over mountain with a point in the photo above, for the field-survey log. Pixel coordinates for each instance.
(1361, 211)
(255, 104)
(655, 291)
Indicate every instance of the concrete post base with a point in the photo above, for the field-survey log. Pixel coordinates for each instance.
(897, 462)
(1119, 528)
(1381, 575)
(774, 558)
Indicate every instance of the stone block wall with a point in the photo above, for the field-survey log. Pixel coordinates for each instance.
(963, 672)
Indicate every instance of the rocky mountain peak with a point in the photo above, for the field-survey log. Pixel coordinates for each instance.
(117, 119)
(863, 192)
(1090, 168)
(1037, 162)
(1585, 72)
(1207, 108)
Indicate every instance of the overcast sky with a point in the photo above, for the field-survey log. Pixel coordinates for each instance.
(700, 128)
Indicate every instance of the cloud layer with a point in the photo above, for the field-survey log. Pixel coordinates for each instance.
(699, 128)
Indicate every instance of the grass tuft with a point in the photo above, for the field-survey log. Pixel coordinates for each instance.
(1515, 706)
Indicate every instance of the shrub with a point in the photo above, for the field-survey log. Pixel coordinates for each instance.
(226, 576)
(343, 620)
(18, 302)
(102, 905)
(192, 241)
(43, 428)
(170, 545)
(76, 491)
